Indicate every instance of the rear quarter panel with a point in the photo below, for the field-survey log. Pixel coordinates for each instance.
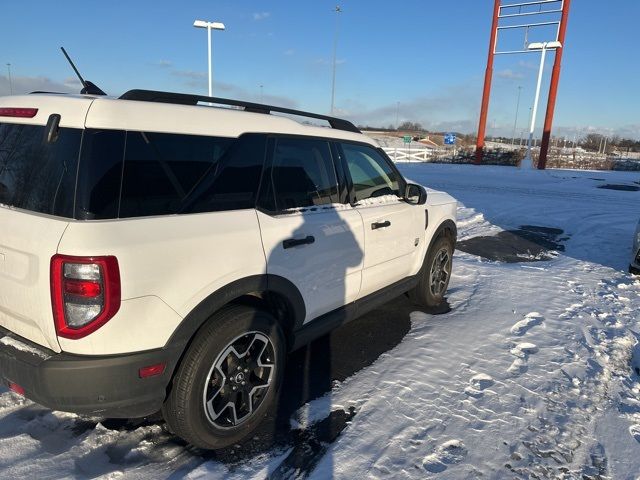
(27, 243)
(168, 265)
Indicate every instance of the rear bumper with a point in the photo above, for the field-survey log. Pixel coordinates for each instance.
(107, 386)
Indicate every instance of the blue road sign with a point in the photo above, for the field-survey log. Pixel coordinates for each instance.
(449, 138)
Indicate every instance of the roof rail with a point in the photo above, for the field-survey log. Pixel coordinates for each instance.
(188, 99)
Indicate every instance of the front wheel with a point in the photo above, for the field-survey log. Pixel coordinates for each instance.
(228, 379)
(434, 275)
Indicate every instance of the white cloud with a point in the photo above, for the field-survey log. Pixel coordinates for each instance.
(509, 74)
(73, 82)
(529, 65)
(261, 15)
(23, 85)
(451, 109)
(164, 63)
(199, 81)
(289, 52)
(192, 78)
(326, 61)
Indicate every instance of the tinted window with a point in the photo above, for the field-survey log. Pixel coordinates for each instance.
(35, 175)
(100, 174)
(301, 175)
(234, 183)
(372, 176)
(161, 170)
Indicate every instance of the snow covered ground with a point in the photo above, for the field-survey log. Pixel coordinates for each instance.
(530, 375)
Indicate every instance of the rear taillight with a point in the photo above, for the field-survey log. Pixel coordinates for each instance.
(85, 293)
(18, 112)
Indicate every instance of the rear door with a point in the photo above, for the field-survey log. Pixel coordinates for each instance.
(393, 229)
(37, 187)
(310, 237)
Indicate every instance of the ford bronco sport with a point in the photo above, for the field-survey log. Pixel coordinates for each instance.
(161, 253)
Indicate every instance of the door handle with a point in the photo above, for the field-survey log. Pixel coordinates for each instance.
(294, 242)
(376, 225)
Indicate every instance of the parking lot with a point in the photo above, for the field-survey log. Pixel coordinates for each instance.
(530, 372)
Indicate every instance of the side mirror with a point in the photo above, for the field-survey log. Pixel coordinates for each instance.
(415, 194)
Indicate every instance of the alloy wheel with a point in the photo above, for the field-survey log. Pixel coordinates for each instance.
(440, 272)
(239, 380)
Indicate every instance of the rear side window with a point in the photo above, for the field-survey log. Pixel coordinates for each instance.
(35, 175)
(234, 183)
(301, 174)
(371, 174)
(161, 170)
(100, 174)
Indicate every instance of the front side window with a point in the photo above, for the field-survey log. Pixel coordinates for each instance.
(372, 176)
(301, 175)
(36, 175)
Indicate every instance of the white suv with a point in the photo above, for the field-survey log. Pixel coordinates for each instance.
(157, 253)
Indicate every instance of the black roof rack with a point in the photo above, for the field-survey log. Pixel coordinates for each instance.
(188, 99)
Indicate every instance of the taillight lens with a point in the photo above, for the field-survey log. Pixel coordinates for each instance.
(18, 112)
(85, 293)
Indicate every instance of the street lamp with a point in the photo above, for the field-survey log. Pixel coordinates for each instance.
(543, 47)
(515, 122)
(10, 82)
(209, 26)
(338, 10)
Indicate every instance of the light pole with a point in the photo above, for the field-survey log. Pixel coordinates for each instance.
(10, 81)
(209, 26)
(515, 122)
(261, 96)
(338, 10)
(543, 47)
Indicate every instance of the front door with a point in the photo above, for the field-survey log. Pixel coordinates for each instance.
(393, 229)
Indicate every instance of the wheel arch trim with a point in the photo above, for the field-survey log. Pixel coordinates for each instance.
(192, 322)
(448, 224)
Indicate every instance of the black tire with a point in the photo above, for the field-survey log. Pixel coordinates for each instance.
(424, 293)
(186, 409)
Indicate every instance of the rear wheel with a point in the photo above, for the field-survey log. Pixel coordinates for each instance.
(435, 274)
(228, 379)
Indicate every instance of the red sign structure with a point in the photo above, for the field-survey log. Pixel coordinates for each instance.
(546, 15)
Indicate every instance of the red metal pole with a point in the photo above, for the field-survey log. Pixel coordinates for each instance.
(553, 88)
(486, 92)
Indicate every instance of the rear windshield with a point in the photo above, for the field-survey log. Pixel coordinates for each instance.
(35, 175)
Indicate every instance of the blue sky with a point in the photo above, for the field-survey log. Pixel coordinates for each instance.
(428, 56)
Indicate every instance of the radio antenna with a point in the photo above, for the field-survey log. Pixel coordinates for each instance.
(87, 86)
